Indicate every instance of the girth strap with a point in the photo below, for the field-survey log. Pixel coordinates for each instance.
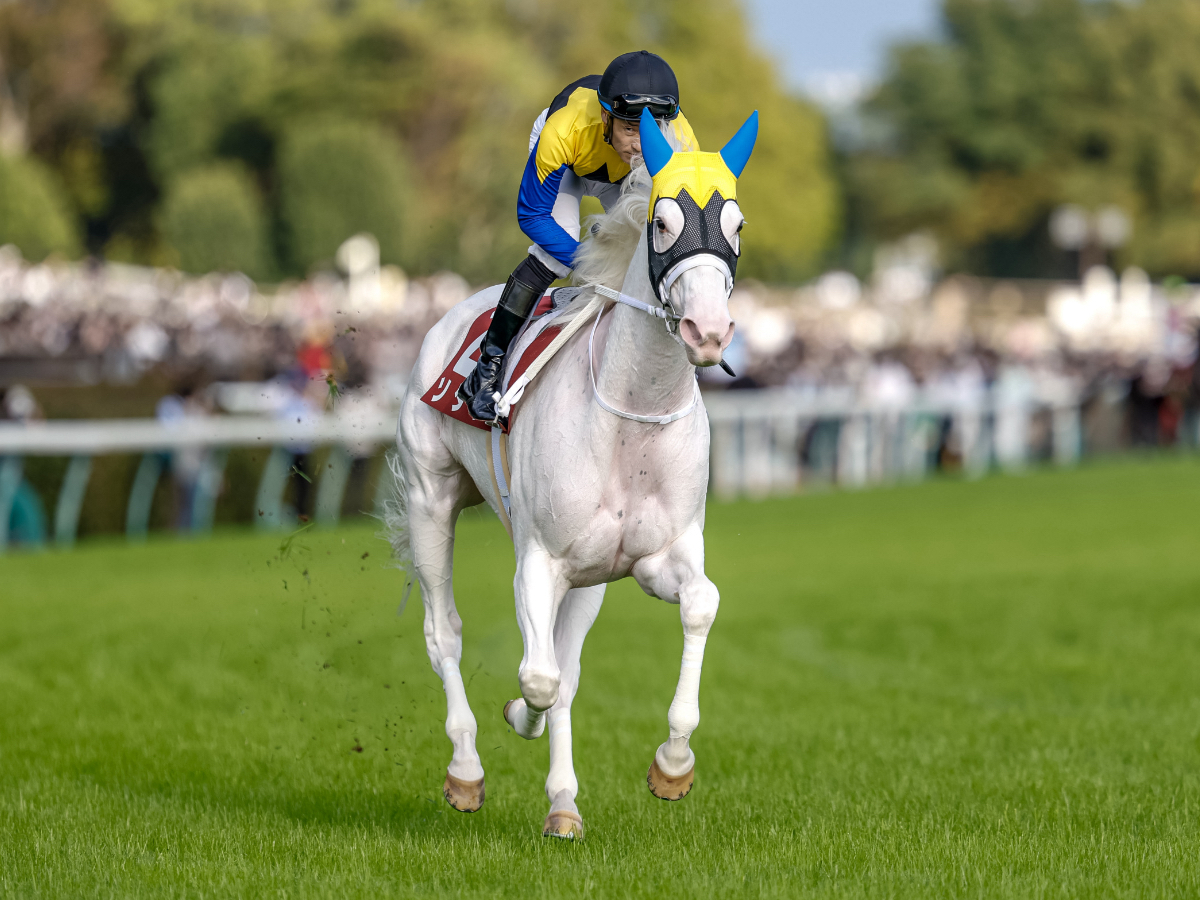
(500, 478)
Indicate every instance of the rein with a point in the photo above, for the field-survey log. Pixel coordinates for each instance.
(666, 312)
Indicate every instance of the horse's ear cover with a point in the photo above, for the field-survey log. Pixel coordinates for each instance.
(693, 178)
(737, 152)
(656, 152)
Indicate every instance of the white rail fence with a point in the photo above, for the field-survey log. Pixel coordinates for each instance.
(772, 441)
(349, 438)
(775, 441)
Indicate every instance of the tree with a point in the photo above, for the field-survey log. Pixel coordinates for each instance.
(1024, 106)
(337, 179)
(213, 218)
(34, 212)
(449, 87)
(60, 87)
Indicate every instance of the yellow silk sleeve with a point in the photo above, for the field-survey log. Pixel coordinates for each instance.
(556, 145)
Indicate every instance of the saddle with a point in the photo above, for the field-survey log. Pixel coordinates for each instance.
(532, 340)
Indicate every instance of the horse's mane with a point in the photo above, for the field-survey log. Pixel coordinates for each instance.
(604, 257)
(612, 236)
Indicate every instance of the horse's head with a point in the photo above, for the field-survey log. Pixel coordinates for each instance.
(693, 235)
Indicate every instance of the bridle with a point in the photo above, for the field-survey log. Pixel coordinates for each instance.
(671, 319)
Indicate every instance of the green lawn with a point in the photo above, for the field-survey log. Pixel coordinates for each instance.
(982, 689)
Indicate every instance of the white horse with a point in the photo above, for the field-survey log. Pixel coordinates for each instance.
(596, 495)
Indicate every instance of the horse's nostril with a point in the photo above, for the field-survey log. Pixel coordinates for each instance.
(691, 333)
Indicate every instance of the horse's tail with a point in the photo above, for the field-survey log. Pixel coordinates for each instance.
(395, 524)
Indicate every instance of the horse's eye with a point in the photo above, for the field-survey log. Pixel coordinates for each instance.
(662, 226)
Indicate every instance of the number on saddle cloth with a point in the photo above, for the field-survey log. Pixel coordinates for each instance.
(442, 394)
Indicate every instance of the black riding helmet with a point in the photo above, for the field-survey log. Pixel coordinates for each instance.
(636, 81)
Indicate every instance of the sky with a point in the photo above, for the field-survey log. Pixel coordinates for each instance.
(832, 49)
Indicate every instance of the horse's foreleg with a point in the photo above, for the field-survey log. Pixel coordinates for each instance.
(575, 618)
(679, 577)
(433, 508)
(539, 589)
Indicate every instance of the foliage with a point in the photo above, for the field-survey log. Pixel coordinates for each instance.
(337, 179)
(59, 88)
(453, 86)
(213, 218)
(34, 212)
(1000, 705)
(788, 193)
(1028, 105)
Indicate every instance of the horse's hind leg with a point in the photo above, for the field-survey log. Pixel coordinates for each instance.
(434, 501)
(575, 618)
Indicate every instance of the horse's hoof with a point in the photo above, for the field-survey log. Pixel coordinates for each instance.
(664, 787)
(465, 796)
(563, 824)
(507, 705)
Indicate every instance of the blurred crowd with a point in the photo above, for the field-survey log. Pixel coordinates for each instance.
(904, 337)
(92, 323)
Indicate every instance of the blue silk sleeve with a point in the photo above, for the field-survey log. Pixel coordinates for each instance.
(535, 212)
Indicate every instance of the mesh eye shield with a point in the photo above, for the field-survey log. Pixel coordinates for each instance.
(702, 235)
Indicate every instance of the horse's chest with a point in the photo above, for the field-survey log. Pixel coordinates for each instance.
(639, 512)
(617, 495)
(620, 532)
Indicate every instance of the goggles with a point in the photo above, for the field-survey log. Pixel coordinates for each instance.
(630, 106)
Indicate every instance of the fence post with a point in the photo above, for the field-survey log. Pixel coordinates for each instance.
(1012, 434)
(914, 446)
(141, 496)
(208, 485)
(385, 486)
(853, 447)
(785, 453)
(70, 500)
(726, 471)
(1067, 434)
(268, 503)
(974, 443)
(756, 456)
(10, 480)
(332, 486)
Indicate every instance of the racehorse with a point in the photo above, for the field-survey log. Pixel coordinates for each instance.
(608, 457)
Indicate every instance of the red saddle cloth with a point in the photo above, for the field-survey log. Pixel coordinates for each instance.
(443, 396)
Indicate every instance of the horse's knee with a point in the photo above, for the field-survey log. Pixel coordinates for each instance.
(539, 687)
(698, 603)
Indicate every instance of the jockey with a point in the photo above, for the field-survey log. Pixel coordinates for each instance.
(584, 144)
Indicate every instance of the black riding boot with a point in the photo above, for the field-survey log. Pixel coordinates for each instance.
(525, 285)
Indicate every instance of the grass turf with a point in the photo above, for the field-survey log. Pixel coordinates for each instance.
(953, 690)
